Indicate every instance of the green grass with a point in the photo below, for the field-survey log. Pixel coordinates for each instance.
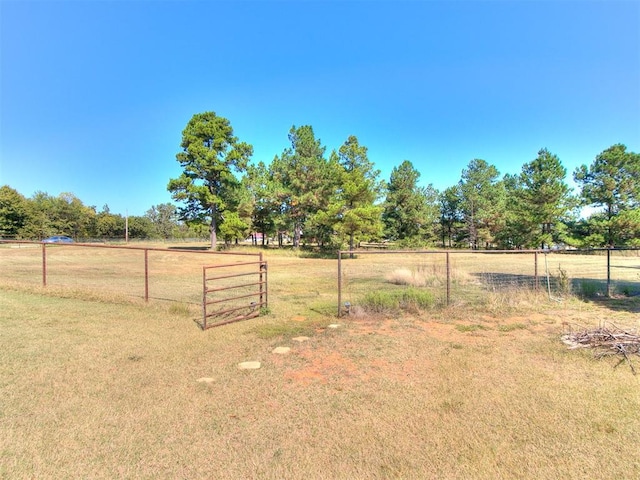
(510, 327)
(393, 301)
(470, 328)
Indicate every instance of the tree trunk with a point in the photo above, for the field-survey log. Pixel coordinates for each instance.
(296, 235)
(213, 227)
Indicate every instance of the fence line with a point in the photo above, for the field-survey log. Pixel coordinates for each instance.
(458, 272)
(118, 267)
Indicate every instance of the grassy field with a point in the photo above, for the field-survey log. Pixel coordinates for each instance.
(101, 385)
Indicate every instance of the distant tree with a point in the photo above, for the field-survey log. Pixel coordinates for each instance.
(539, 201)
(611, 182)
(164, 218)
(233, 227)
(406, 214)
(140, 228)
(518, 231)
(64, 214)
(450, 215)
(304, 179)
(109, 225)
(263, 198)
(360, 188)
(210, 154)
(482, 205)
(14, 211)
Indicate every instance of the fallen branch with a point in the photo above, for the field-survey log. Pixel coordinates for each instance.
(607, 341)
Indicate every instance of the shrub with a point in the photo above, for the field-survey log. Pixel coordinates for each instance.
(385, 301)
(590, 289)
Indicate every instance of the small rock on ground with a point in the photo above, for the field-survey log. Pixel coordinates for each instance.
(300, 339)
(249, 365)
(281, 350)
(333, 325)
(205, 380)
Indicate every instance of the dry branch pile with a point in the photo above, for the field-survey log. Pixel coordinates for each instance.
(607, 341)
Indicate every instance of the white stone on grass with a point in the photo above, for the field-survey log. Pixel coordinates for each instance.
(300, 339)
(333, 325)
(249, 365)
(281, 350)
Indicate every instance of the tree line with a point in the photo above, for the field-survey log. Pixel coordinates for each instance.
(44, 215)
(338, 200)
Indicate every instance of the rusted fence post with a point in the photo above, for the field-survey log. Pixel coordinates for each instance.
(448, 280)
(146, 275)
(261, 280)
(204, 298)
(608, 272)
(535, 270)
(339, 283)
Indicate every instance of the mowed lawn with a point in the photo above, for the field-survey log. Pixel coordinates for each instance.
(111, 388)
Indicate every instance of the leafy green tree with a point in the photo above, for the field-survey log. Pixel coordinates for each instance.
(611, 182)
(164, 218)
(64, 214)
(210, 155)
(109, 225)
(140, 228)
(406, 213)
(233, 227)
(14, 211)
(482, 195)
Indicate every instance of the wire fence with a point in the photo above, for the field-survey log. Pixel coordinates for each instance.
(140, 272)
(175, 274)
(454, 275)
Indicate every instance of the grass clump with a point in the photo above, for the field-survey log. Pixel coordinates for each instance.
(180, 309)
(470, 328)
(420, 277)
(510, 327)
(387, 301)
(590, 289)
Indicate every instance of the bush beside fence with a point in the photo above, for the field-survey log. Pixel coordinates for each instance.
(455, 275)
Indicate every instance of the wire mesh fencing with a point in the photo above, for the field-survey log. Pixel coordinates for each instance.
(469, 275)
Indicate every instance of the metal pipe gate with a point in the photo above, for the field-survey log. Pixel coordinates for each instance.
(229, 301)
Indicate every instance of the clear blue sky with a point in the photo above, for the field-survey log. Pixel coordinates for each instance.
(95, 94)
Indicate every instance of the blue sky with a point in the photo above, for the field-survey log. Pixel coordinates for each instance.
(95, 94)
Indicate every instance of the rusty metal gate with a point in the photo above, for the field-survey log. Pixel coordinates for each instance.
(226, 299)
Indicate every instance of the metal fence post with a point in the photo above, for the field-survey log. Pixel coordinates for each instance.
(44, 264)
(608, 272)
(535, 270)
(339, 283)
(448, 280)
(261, 278)
(146, 275)
(204, 298)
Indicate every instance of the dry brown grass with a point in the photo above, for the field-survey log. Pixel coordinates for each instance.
(104, 388)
